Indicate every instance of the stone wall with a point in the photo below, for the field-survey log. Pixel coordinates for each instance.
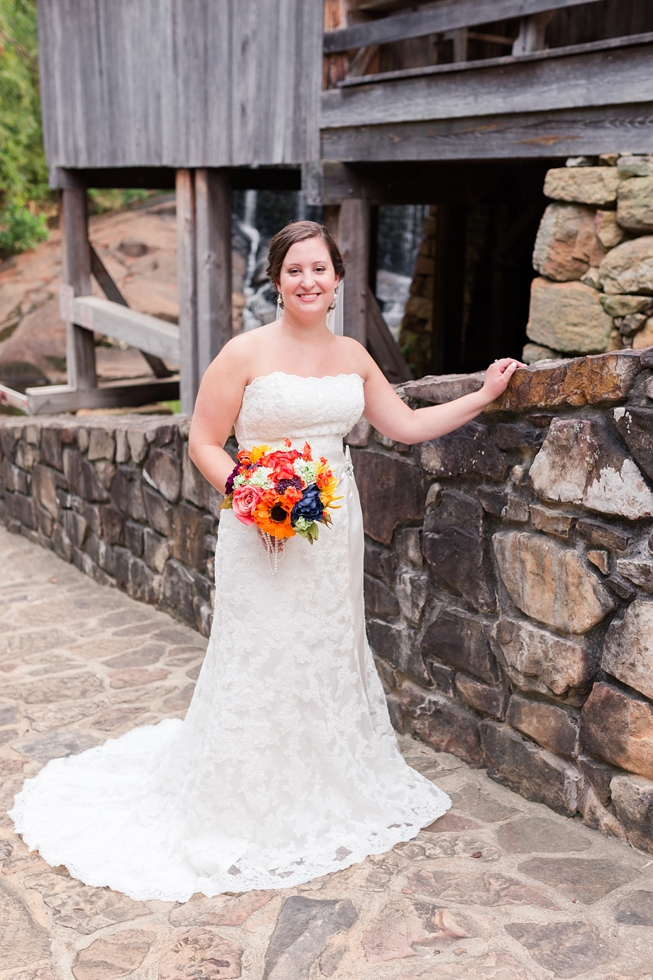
(509, 566)
(594, 253)
(120, 498)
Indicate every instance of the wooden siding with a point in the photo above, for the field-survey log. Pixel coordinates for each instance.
(180, 83)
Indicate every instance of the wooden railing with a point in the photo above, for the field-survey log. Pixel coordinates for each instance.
(450, 19)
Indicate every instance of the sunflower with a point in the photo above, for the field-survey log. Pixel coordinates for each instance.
(272, 514)
(327, 484)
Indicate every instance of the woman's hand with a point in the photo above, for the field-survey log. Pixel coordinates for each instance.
(497, 377)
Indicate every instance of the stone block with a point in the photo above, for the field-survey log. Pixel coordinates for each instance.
(122, 454)
(23, 509)
(637, 570)
(632, 798)
(51, 449)
(44, 488)
(494, 501)
(643, 339)
(142, 584)
(62, 544)
(441, 677)
(616, 305)
(581, 463)
(446, 726)
(529, 770)
(360, 435)
(112, 524)
(163, 472)
(412, 591)
(603, 535)
(551, 521)
(380, 562)
(127, 492)
(569, 317)
(618, 727)
(158, 511)
(137, 438)
(608, 231)
(482, 697)
(635, 204)
(134, 537)
(180, 586)
(567, 243)
(189, 525)
(461, 640)
(470, 450)
(114, 956)
(156, 550)
(583, 185)
(75, 527)
(630, 165)
(409, 547)
(459, 563)
(193, 485)
(579, 381)
(27, 455)
(635, 426)
(628, 268)
(628, 647)
(299, 940)
(455, 509)
(601, 559)
(549, 725)
(397, 646)
(101, 443)
(100, 553)
(599, 775)
(635, 909)
(511, 435)
(550, 583)
(396, 481)
(443, 388)
(379, 599)
(82, 477)
(532, 353)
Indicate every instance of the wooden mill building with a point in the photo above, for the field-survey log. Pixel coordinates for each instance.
(461, 104)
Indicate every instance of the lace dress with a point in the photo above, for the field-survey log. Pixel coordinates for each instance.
(286, 766)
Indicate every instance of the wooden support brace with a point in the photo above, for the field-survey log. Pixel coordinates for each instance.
(80, 347)
(111, 291)
(382, 345)
(62, 398)
(213, 198)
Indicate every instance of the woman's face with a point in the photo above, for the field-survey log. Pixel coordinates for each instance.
(307, 279)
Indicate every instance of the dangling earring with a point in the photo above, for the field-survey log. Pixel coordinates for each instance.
(334, 301)
(331, 312)
(280, 306)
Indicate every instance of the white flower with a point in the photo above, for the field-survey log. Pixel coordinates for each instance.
(305, 470)
(261, 478)
(239, 480)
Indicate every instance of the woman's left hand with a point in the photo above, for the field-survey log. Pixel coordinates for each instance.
(498, 375)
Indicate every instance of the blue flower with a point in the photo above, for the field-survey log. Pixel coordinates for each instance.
(310, 506)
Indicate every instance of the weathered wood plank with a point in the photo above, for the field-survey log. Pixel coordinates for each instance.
(187, 283)
(354, 242)
(569, 132)
(445, 16)
(530, 84)
(111, 291)
(147, 333)
(80, 348)
(213, 216)
(381, 344)
(14, 399)
(51, 399)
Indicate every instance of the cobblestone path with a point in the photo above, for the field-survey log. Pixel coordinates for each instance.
(499, 889)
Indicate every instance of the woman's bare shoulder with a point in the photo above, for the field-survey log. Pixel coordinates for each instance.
(355, 356)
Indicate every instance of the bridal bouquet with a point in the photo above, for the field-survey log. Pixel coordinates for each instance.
(283, 492)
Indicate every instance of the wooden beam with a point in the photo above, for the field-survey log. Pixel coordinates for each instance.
(605, 73)
(354, 242)
(531, 33)
(111, 291)
(147, 333)
(382, 345)
(519, 136)
(272, 178)
(14, 399)
(448, 15)
(187, 281)
(80, 347)
(213, 219)
(51, 399)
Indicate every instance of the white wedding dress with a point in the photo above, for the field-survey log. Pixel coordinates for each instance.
(286, 766)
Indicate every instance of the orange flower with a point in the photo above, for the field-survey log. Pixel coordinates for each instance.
(272, 514)
(249, 457)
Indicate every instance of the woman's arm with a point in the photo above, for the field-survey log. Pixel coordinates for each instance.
(216, 409)
(391, 416)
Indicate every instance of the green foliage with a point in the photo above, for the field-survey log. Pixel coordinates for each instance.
(23, 170)
(110, 199)
(20, 229)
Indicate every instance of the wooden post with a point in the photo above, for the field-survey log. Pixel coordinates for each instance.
(213, 229)
(531, 33)
(354, 241)
(80, 348)
(187, 281)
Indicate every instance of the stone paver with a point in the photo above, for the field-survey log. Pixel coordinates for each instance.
(499, 889)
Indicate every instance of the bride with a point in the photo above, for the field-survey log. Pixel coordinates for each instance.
(286, 766)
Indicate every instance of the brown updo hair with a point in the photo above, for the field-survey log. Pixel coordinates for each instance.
(300, 231)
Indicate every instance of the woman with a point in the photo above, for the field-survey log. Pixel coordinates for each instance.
(286, 766)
